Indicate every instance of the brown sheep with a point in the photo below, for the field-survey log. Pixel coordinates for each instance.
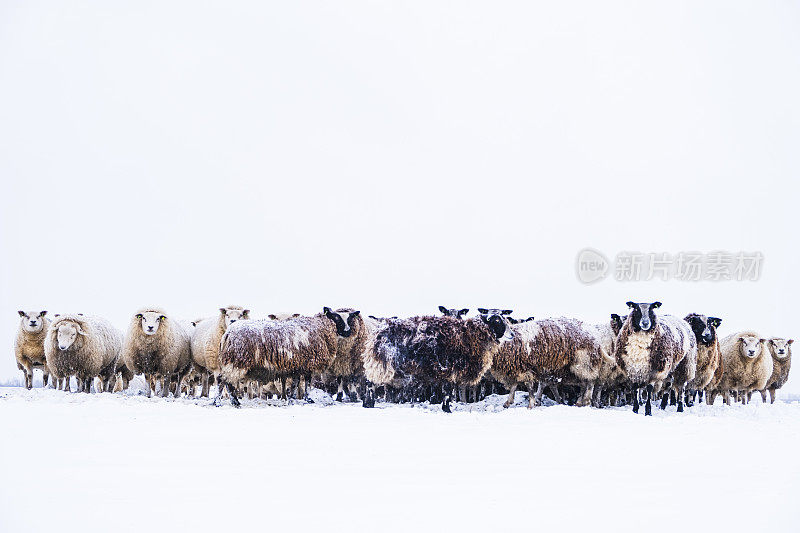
(29, 345)
(83, 346)
(781, 351)
(709, 355)
(747, 365)
(206, 337)
(157, 346)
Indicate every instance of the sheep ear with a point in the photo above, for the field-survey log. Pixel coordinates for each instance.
(632, 305)
(714, 321)
(43, 313)
(246, 313)
(272, 317)
(655, 305)
(529, 319)
(326, 310)
(21, 313)
(295, 315)
(463, 312)
(443, 309)
(222, 310)
(762, 340)
(80, 330)
(355, 313)
(483, 311)
(790, 341)
(506, 312)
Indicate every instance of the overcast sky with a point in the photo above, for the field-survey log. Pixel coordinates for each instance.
(394, 156)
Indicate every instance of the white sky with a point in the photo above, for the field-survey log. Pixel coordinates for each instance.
(394, 156)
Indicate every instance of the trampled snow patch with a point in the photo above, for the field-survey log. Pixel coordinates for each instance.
(71, 461)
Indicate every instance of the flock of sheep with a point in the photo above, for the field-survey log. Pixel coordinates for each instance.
(632, 359)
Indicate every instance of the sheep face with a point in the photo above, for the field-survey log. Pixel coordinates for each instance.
(643, 315)
(616, 323)
(498, 322)
(343, 319)
(780, 347)
(704, 328)
(150, 321)
(32, 321)
(750, 346)
(67, 334)
(455, 313)
(232, 314)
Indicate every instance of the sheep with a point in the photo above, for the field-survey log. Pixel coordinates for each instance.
(709, 356)
(434, 350)
(206, 337)
(347, 365)
(282, 316)
(453, 312)
(550, 351)
(747, 366)
(264, 350)
(781, 351)
(159, 347)
(650, 350)
(83, 346)
(29, 345)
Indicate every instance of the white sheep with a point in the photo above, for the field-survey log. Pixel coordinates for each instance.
(746, 365)
(83, 346)
(29, 345)
(206, 338)
(159, 347)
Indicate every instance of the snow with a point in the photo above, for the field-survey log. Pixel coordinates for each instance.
(127, 462)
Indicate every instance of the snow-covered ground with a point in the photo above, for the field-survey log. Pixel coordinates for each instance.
(73, 461)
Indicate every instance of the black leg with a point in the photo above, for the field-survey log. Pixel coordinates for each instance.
(664, 400)
(648, 409)
(369, 397)
(636, 401)
(234, 398)
(308, 389)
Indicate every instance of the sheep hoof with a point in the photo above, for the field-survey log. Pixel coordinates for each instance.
(648, 411)
(446, 407)
(339, 397)
(368, 403)
(506, 405)
(680, 407)
(309, 400)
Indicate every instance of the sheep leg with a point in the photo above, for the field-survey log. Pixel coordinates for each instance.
(234, 398)
(636, 401)
(664, 399)
(537, 400)
(340, 389)
(534, 398)
(165, 386)
(772, 392)
(67, 384)
(510, 401)
(679, 394)
(369, 397)
(283, 388)
(448, 395)
(648, 410)
(586, 394)
(206, 389)
(763, 395)
(307, 388)
(28, 378)
(46, 378)
(554, 391)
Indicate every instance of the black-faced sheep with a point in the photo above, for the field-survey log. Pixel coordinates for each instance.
(650, 350)
(709, 356)
(433, 350)
(453, 312)
(347, 366)
(85, 347)
(159, 347)
(264, 350)
(747, 366)
(206, 338)
(29, 345)
(781, 351)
